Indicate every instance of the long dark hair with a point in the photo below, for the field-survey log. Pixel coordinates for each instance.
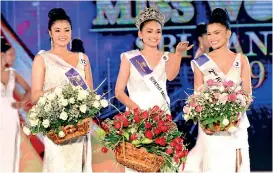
(4, 45)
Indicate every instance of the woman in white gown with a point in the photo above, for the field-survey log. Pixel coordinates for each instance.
(48, 72)
(225, 151)
(10, 122)
(145, 72)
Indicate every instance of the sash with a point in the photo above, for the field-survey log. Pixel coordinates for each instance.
(72, 74)
(139, 63)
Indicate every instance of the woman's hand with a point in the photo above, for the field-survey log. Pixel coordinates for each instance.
(182, 47)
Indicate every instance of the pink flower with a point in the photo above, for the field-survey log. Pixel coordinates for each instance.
(217, 95)
(193, 104)
(240, 92)
(210, 82)
(230, 83)
(223, 98)
(225, 83)
(232, 97)
(186, 109)
(198, 108)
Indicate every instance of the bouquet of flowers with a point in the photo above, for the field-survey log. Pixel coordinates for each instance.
(146, 141)
(65, 113)
(217, 105)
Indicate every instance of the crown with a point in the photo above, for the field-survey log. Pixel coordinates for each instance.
(151, 13)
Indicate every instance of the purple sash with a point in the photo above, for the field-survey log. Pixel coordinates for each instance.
(75, 78)
(141, 65)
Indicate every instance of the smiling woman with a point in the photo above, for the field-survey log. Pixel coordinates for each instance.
(51, 69)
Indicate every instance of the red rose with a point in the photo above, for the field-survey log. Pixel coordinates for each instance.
(169, 151)
(161, 123)
(145, 115)
(169, 117)
(157, 131)
(178, 148)
(104, 149)
(148, 125)
(157, 118)
(118, 125)
(180, 154)
(137, 118)
(133, 137)
(136, 111)
(164, 128)
(120, 132)
(127, 113)
(178, 140)
(126, 123)
(158, 141)
(232, 97)
(105, 127)
(163, 141)
(149, 134)
(173, 143)
(155, 109)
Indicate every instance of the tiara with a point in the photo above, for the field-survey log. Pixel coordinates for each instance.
(151, 13)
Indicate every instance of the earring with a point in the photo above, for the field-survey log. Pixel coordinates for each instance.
(70, 44)
(51, 42)
(140, 44)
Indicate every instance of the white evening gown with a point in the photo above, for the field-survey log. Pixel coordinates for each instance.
(75, 156)
(142, 95)
(9, 128)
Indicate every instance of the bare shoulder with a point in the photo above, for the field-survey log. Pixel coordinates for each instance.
(244, 58)
(38, 59)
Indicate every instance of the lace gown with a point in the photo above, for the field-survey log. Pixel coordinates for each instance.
(141, 94)
(218, 153)
(76, 155)
(9, 128)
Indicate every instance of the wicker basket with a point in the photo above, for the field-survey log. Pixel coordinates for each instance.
(138, 159)
(217, 127)
(71, 131)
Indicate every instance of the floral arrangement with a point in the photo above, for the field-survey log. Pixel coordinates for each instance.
(152, 130)
(65, 106)
(217, 105)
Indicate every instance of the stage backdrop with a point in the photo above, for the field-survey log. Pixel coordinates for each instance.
(107, 29)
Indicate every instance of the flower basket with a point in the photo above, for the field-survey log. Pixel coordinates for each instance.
(138, 158)
(144, 140)
(64, 113)
(218, 106)
(71, 132)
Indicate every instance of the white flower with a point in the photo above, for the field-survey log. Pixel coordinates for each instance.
(61, 134)
(41, 101)
(222, 88)
(97, 97)
(72, 100)
(33, 115)
(26, 130)
(223, 98)
(206, 95)
(34, 122)
(238, 88)
(82, 95)
(83, 108)
(45, 123)
(64, 102)
(232, 129)
(96, 104)
(58, 90)
(186, 117)
(225, 122)
(51, 96)
(104, 103)
(48, 107)
(63, 115)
